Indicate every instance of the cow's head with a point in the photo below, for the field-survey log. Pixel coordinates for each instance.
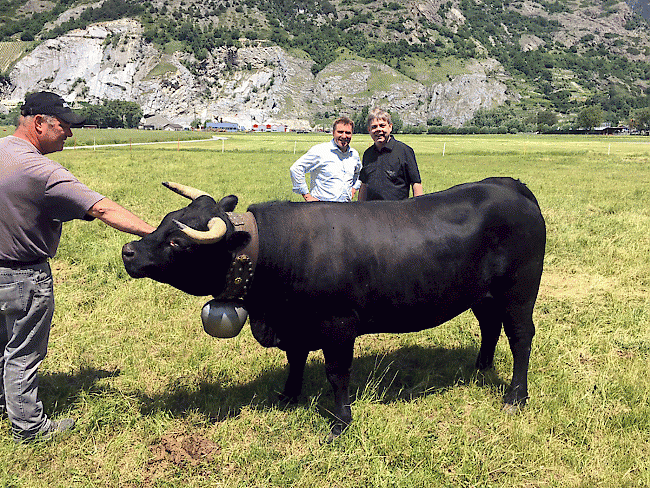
(192, 248)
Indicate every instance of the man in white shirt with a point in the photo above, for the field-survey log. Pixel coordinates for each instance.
(333, 167)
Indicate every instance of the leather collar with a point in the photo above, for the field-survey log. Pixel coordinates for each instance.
(242, 267)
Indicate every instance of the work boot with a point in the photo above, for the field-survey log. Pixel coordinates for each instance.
(52, 428)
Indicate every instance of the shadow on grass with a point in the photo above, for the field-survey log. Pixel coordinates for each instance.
(59, 391)
(405, 374)
(408, 373)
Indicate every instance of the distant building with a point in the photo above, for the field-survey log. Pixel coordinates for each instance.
(156, 122)
(172, 126)
(612, 130)
(222, 126)
(269, 128)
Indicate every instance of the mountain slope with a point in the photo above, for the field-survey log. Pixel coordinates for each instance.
(451, 60)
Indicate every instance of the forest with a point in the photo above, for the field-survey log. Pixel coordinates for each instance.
(110, 113)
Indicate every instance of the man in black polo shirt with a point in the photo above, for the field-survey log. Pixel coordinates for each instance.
(389, 167)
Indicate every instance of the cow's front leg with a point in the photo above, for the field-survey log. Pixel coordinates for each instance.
(338, 366)
(292, 388)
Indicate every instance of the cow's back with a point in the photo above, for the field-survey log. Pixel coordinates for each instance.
(397, 265)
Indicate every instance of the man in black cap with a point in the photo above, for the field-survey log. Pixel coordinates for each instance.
(36, 196)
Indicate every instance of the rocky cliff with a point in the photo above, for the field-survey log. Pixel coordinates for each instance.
(253, 84)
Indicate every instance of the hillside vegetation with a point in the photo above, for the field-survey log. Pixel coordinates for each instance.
(561, 55)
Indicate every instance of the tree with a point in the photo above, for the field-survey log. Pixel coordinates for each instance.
(590, 117)
(641, 119)
(94, 115)
(360, 121)
(113, 113)
(435, 122)
(397, 122)
(546, 117)
(10, 118)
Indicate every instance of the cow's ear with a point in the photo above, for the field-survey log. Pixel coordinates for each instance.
(228, 204)
(238, 240)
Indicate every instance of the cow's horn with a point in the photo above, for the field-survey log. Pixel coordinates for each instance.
(216, 231)
(186, 191)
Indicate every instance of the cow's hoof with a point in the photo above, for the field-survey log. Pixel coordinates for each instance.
(336, 431)
(516, 398)
(285, 399)
(512, 409)
(484, 365)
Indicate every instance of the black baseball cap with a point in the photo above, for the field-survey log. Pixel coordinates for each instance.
(48, 103)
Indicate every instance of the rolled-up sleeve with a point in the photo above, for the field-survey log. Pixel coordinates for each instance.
(305, 164)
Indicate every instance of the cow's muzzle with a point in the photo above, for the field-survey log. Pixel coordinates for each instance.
(129, 259)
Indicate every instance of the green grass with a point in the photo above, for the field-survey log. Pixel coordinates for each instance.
(161, 69)
(92, 137)
(10, 52)
(428, 71)
(98, 137)
(159, 403)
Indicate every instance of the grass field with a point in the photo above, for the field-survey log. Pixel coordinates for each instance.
(90, 138)
(161, 404)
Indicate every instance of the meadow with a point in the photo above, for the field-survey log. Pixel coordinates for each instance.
(159, 403)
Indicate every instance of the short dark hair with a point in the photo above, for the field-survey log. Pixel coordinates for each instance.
(343, 120)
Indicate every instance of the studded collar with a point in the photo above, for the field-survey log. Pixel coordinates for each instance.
(242, 267)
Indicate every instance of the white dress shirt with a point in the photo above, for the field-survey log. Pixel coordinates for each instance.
(332, 172)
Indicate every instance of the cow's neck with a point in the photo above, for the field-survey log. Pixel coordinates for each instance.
(242, 267)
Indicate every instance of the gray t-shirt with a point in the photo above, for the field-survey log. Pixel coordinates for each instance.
(36, 196)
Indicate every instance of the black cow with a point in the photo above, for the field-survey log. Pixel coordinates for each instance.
(318, 275)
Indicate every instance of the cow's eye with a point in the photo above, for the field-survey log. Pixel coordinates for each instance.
(176, 243)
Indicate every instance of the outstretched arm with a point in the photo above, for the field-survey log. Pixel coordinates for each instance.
(119, 218)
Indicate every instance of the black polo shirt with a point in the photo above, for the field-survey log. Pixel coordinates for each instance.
(389, 172)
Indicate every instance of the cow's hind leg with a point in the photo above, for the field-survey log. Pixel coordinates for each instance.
(518, 326)
(296, 358)
(489, 314)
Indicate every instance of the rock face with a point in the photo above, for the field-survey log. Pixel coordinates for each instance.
(458, 100)
(249, 85)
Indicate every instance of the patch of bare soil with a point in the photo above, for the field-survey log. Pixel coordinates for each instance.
(177, 450)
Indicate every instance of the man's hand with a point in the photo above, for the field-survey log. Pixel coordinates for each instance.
(309, 198)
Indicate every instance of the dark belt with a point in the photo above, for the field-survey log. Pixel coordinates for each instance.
(21, 264)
